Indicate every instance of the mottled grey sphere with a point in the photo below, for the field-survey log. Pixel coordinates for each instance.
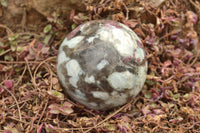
(102, 64)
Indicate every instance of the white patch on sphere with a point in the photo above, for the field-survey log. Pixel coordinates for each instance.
(90, 79)
(101, 95)
(142, 71)
(104, 34)
(81, 98)
(85, 27)
(91, 39)
(72, 43)
(61, 76)
(93, 104)
(133, 34)
(122, 80)
(63, 43)
(80, 94)
(102, 64)
(125, 46)
(135, 91)
(62, 58)
(121, 40)
(139, 51)
(116, 99)
(73, 81)
(139, 54)
(73, 70)
(128, 30)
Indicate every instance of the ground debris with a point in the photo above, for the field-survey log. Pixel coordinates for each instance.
(31, 97)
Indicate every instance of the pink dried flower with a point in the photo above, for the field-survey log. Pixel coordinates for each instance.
(9, 83)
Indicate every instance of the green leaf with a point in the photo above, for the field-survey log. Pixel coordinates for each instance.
(39, 74)
(150, 82)
(48, 28)
(1, 51)
(83, 17)
(66, 110)
(8, 58)
(26, 37)
(179, 118)
(176, 97)
(148, 95)
(194, 51)
(54, 111)
(49, 128)
(56, 94)
(187, 96)
(13, 46)
(74, 26)
(47, 39)
(9, 129)
(1, 44)
(60, 23)
(54, 108)
(176, 120)
(13, 37)
(17, 69)
(19, 49)
(4, 3)
(110, 127)
(67, 104)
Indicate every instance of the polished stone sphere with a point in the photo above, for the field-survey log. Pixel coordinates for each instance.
(102, 64)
